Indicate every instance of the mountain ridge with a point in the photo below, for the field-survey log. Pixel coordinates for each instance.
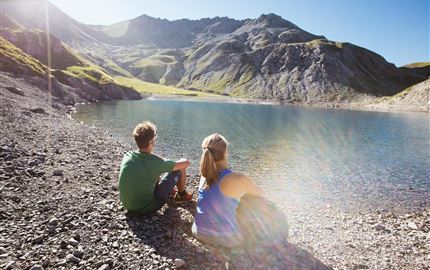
(265, 58)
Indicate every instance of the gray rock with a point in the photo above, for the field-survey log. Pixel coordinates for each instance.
(36, 267)
(53, 221)
(105, 212)
(61, 262)
(10, 265)
(57, 173)
(412, 225)
(179, 263)
(104, 267)
(30, 172)
(15, 90)
(73, 242)
(38, 110)
(38, 239)
(73, 258)
(380, 227)
(63, 244)
(4, 256)
(78, 253)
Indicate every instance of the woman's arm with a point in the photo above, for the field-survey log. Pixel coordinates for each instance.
(235, 185)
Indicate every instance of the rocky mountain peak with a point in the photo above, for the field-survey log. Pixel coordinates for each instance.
(272, 21)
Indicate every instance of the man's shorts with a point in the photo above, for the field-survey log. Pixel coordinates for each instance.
(165, 186)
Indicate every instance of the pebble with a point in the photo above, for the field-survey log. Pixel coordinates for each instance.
(412, 225)
(73, 242)
(4, 255)
(179, 263)
(380, 227)
(78, 253)
(57, 173)
(104, 267)
(53, 221)
(361, 266)
(73, 258)
(38, 239)
(30, 172)
(15, 90)
(10, 265)
(38, 110)
(63, 244)
(36, 267)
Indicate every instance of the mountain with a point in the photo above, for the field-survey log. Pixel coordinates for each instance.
(81, 83)
(34, 14)
(24, 53)
(265, 58)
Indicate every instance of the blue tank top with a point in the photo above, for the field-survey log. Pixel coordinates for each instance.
(216, 213)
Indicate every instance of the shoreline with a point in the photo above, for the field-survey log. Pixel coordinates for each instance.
(61, 210)
(351, 106)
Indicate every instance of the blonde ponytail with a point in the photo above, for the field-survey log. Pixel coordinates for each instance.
(214, 150)
(208, 167)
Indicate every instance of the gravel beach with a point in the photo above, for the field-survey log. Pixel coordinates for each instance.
(60, 209)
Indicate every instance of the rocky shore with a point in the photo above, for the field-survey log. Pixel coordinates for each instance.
(60, 209)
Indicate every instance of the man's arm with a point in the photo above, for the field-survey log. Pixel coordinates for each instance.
(181, 164)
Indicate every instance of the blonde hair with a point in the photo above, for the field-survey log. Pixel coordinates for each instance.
(143, 133)
(214, 148)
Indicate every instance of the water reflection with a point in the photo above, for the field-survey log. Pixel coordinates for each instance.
(297, 154)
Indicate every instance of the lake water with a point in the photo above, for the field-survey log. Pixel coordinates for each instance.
(298, 155)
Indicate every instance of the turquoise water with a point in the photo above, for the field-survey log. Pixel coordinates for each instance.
(298, 155)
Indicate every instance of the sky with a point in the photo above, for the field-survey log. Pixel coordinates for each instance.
(396, 29)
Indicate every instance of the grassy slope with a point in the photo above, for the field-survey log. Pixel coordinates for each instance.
(153, 88)
(114, 69)
(10, 52)
(398, 96)
(92, 73)
(417, 65)
(154, 67)
(34, 42)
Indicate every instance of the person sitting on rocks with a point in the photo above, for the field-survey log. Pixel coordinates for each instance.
(219, 192)
(141, 189)
(231, 210)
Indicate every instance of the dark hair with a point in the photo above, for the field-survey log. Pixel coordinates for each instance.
(143, 133)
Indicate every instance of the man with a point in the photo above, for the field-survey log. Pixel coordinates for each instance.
(140, 187)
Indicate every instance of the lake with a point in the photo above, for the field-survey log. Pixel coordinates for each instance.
(299, 155)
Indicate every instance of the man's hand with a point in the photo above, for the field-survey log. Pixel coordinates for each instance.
(181, 164)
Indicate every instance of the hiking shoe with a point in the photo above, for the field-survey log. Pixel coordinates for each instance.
(187, 197)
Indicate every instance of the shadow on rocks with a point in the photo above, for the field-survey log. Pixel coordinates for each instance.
(266, 245)
(166, 235)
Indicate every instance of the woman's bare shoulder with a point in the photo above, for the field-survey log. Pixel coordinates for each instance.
(234, 177)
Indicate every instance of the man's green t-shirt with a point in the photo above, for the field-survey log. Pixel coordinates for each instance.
(138, 175)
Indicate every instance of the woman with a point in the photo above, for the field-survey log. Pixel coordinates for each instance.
(219, 192)
(255, 225)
